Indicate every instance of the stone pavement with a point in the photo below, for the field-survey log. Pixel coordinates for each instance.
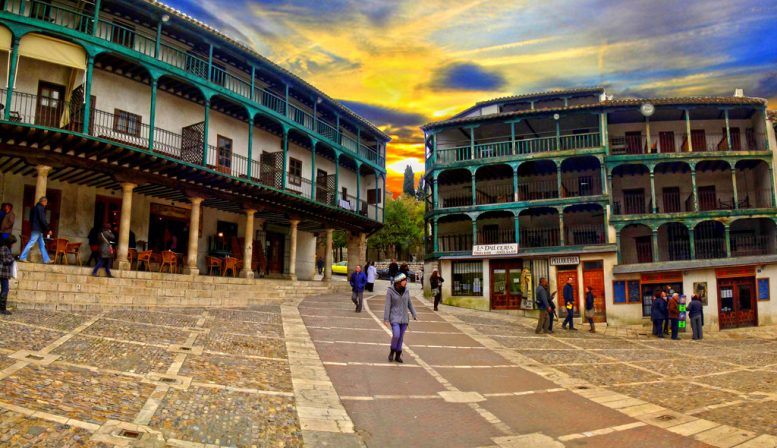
(315, 373)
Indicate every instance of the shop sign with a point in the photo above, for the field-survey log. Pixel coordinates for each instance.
(494, 249)
(662, 277)
(564, 261)
(742, 271)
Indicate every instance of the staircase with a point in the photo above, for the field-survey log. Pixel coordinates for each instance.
(73, 288)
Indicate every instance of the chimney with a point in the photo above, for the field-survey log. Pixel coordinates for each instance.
(739, 93)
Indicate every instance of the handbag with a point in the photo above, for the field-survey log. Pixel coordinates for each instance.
(14, 270)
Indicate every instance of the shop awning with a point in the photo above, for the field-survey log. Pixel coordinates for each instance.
(5, 39)
(52, 50)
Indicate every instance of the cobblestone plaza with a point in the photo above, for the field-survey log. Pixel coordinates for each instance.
(314, 373)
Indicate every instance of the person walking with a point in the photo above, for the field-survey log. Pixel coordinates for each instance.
(320, 265)
(542, 298)
(39, 226)
(669, 293)
(6, 264)
(569, 305)
(589, 308)
(358, 280)
(94, 245)
(551, 312)
(395, 310)
(393, 270)
(697, 317)
(673, 308)
(659, 314)
(6, 224)
(435, 282)
(106, 251)
(372, 275)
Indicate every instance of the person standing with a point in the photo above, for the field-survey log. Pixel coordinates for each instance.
(393, 270)
(673, 308)
(6, 224)
(569, 304)
(39, 226)
(395, 310)
(696, 314)
(551, 312)
(106, 251)
(358, 280)
(94, 245)
(372, 274)
(589, 308)
(661, 314)
(543, 305)
(435, 282)
(320, 265)
(6, 263)
(669, 293)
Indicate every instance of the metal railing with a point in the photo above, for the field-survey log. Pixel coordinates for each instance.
(496, 149)
(300, 116)
(584, 234)
(270, 100)
(669, 142)
(675, 249)
(495, 193)
(496, 236)
(581, 186)
(707, 248)
(456, 201)
(632, 205)
(745, 245)
(454, 242)
(540, 237)
(537, 189)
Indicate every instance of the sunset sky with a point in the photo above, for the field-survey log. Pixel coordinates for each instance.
(403, 63)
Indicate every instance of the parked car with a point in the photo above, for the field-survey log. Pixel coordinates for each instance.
(384, 275)
(341, 267)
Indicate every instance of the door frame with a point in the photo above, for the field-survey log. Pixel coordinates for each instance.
(734, 282)
(508, 265)
(562, 273)
(61, 102)
(599, 317)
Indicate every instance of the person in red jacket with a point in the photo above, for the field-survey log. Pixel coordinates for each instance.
(674, 313)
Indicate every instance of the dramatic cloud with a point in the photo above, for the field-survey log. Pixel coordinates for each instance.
(383, 116)
(467, 76)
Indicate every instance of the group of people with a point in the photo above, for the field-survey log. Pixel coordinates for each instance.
(544, 301)
(665, 313)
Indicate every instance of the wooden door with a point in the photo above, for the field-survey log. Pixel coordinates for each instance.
(737, 303)
(275, 251)
(708, 199)
(107, 210)
(50, 104)
(561, 282)
(666, 141)
(593, 276)
(506, 291)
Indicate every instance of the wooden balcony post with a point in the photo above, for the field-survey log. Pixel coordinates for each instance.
(14, 61)
(654, 240)
(688, 129)
(653, 191)
(194, 237)
(87, 93)
(517, 228)
(205, 134)
(771, 184)
(618, 248)
(434, 148)
(286, 99)
(561, 238)
(158, 41)
(253, 83)
(96, 17)
(694, 189)
(734, 181)
(474, 187)
(337, 179)
(727, 230)
(152, 113)
(604, 187)
(358, 186)
(248, 245)
(249, 168)
(692, 243)
(728, 137)
(210, 62)
(515, 184)
(376, 195)
(435, 243)
(647, 135)
(286, 156)
(474, 231)
(558, 134)
(472, 143)
(434, 191)
(559, 184)
(312, 168)
(124, 225)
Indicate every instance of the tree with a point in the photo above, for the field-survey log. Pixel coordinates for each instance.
(420, 194)
(403, 228)
(408, 186)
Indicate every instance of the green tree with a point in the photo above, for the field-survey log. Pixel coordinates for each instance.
(408, 186)
(403, 228)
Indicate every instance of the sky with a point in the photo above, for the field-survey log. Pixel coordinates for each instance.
(404, 63)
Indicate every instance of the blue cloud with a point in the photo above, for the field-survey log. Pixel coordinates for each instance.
(466, 76)
(383, 115)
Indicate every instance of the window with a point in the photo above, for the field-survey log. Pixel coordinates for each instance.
(126, 123)
(626, 291)
(224, 152)
(468, 278)
(295, 171)
(372, 197)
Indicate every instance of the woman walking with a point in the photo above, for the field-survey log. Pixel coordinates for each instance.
(589, 308)
(395, 314)
(697, 317)
(435, 281)
(106, 238)
(6, 263)
(372, 274)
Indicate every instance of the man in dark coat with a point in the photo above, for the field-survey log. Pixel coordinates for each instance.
(659, 313)
(543, 305)
(569, 304)
(39, 226)
(358, 281)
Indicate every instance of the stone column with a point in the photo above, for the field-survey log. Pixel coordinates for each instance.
(293, 249)
(248, 245)
(194, 236)
(328, 256)
(41, 181)
(124, 226)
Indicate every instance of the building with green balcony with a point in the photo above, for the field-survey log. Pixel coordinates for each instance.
(134, 114)
(624, 195)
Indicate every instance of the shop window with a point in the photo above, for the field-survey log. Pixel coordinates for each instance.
(374, 196)
(126, 122)
(626, 291)
(295, 172)
(468, 278)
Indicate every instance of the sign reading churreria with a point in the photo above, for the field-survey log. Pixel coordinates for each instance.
(495, 249)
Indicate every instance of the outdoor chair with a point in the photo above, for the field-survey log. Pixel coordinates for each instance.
(170, 260)
(213, 263)
(73, 249)
(60, 249)
(145, 257)
(132, 256)
(230, 263)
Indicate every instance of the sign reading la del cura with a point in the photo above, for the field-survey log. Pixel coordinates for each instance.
(494, 249)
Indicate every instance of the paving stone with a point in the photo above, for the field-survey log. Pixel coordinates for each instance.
(358, 352)
(758, 417)
(457, 340)
(263, 329)
(17, 430)
(447, 357)
(55, 320)
(238, 344)
(641, 437)
(76, 393)
(218, 416)
(534, 343)
(115, 355)
(379, 336)
(677, 395)
(685, 367)
(243, 315)
(608, 374)
(743, 381)
(496, 380)
(263, 374)
(156, 318)
(552, 357)
(639, 354)
(392, 380)
(19, 337)
(127, 331)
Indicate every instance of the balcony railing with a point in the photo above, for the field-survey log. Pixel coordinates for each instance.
(496, 236)
(524, 144)
(26, 108)
(454, 243)
(675, 249)
(537, 189)
(669, 142)
(581, 186)
(495, 193)
(542, 237)
(182, 59)
(584, 234)
(457, 201)
(746, 245)
(707, 248)
(633, 205)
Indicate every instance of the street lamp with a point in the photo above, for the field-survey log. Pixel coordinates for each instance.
(647, 110)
